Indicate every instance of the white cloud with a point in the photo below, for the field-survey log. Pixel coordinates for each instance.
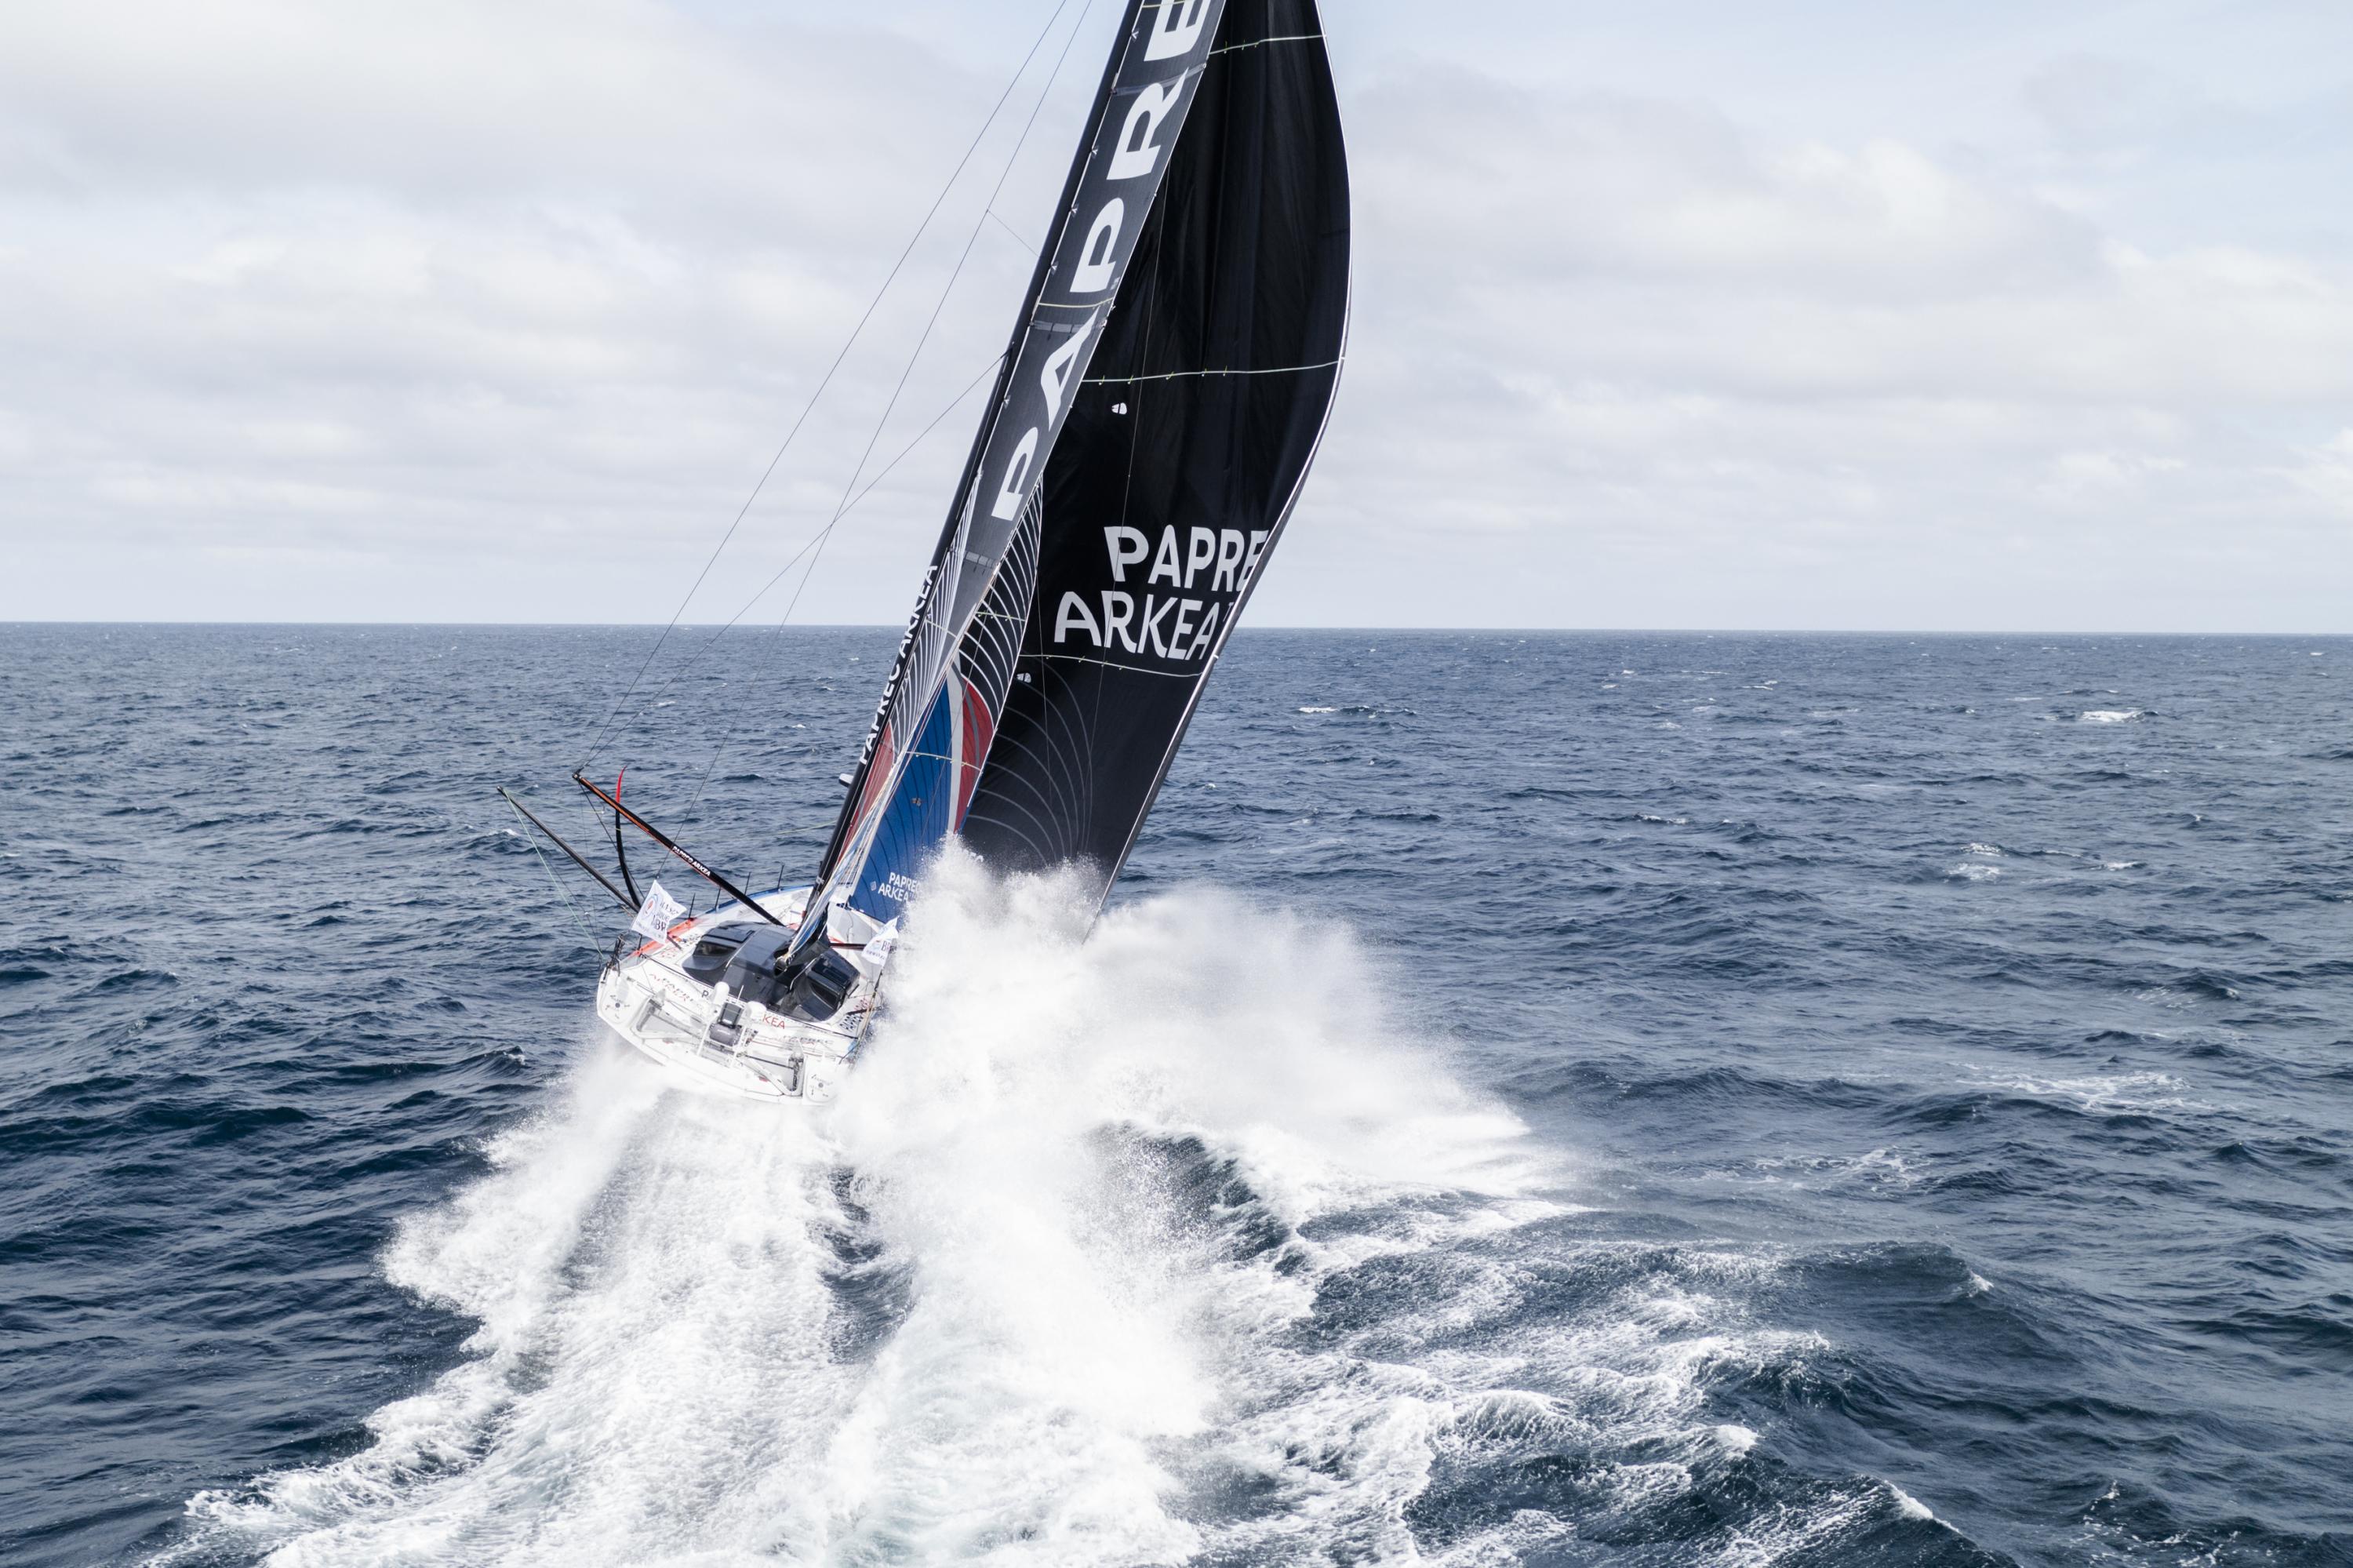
(2097, 100)
(494, 310)
(1697, 377)
(2326, 472)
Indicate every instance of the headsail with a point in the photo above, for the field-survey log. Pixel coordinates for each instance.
(1158, 408)
(1184, 452)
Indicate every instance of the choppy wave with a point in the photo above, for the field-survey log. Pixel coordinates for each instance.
(983, 1313)
(1105, 1259)
(1569, 1140)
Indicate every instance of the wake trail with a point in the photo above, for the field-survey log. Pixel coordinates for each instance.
(1031, 1294)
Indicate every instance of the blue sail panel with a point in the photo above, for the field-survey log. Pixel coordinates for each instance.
(917, 819)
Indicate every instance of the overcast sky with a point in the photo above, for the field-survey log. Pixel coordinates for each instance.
(1698, 313)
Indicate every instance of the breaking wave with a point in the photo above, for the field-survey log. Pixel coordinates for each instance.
(1029, 1295)
(1185, 1242)
(1153, 1245)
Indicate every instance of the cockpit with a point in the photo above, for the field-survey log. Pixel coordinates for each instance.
(756, 965)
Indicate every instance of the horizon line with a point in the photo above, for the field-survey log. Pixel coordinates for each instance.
(1238, 632)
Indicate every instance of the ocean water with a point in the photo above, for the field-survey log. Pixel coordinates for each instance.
(1564, 1100)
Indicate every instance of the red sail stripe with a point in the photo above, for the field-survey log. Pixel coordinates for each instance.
(979, 729)
(877, 777)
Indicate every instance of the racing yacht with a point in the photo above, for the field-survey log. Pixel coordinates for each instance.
(1172, 365)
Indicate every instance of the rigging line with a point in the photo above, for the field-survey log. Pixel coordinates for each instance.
(593, 825)
(629, 902)
(791, 606)
(558, 882)
(1017, 234)
(897, 266)
(816, 539)
(987, 211)
(818, 542)
(998, 189)
(851, 500)
(717, 751)
(979, 225)
(823, 536)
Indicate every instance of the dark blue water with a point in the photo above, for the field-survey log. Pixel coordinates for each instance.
(1564, 1100)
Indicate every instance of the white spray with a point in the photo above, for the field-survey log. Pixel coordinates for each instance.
(973, 1315)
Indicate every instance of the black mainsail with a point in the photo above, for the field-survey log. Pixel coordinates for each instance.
(1184, 453)
(1158, 408)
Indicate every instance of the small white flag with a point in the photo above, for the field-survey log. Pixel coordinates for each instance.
(658, 914)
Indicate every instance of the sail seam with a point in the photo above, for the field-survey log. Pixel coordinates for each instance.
(1261, 43)
(1183, 375)
(1109, 664)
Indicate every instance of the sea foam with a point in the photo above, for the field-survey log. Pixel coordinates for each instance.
(966, 1315)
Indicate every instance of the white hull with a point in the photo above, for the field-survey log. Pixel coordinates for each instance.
(648, 998)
